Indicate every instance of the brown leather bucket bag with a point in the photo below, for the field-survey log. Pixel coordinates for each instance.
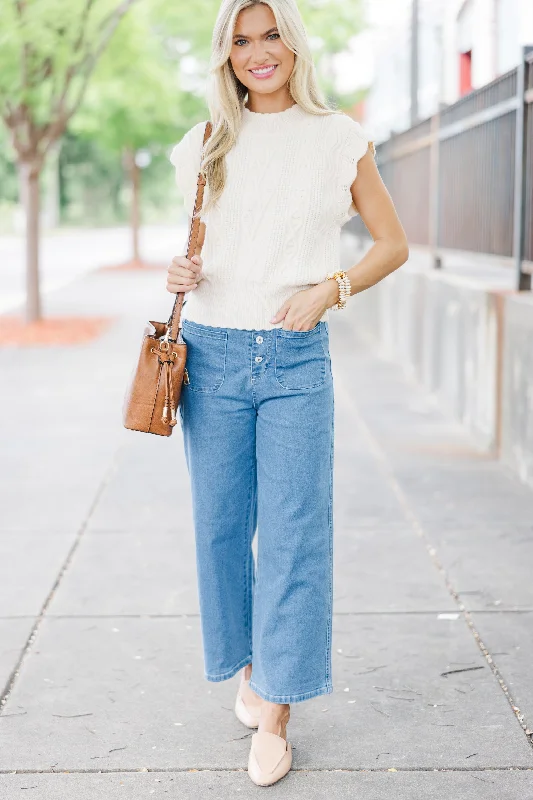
(154, 392)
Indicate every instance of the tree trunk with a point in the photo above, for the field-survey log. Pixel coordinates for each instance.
(30, 173)
(135, 216)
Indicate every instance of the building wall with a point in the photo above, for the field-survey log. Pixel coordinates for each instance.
(468, 345)
(387, 104)
(443, 331)
(495, 31)
(517, 386)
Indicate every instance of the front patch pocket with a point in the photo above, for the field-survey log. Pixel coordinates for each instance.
(206, 359)
(300, 361)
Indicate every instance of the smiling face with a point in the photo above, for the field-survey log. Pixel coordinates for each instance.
(260, 60)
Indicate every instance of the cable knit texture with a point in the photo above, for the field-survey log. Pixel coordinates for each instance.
(276, 227)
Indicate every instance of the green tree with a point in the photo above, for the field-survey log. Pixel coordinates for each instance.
(330, 24)
(134, 106)
(90, 182)
(48, 52)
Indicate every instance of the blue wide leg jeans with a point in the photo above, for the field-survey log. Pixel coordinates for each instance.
(257, 422)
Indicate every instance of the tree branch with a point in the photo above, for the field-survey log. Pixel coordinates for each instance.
(83, 69)
(92, 58)
(53, 132)
(32, 140)
(19, 7)
(83, 25)
(114, 17)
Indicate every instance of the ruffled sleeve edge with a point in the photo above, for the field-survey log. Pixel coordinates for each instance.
(356, 145)
(185, 157)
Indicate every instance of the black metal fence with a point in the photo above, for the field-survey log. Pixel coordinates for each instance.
(463, 179)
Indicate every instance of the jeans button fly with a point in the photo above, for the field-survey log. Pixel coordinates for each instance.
(259, 339)
(258, 358)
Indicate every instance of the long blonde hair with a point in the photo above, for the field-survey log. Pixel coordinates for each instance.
(226, 94)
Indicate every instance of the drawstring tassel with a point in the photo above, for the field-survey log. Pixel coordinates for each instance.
(169, 397)
(173, 419)
(164, 418)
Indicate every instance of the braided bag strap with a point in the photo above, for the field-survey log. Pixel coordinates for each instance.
(194, 232)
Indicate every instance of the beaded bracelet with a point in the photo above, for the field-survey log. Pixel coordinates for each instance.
(344, 287)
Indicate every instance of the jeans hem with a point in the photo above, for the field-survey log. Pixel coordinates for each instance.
(224, 676)
(290, 698)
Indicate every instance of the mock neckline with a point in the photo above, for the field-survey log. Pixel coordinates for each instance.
(272, 118)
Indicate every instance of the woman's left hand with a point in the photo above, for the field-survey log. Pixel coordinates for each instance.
(303, 310)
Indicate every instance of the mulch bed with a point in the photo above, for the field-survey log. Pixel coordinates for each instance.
(51, 331)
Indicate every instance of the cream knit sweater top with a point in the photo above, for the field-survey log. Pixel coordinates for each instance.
(276, 227)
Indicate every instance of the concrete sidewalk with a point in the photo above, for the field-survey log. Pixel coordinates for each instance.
(100, 650)
(69, 253)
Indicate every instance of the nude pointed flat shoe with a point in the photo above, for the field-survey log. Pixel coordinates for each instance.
(247, 713)
(270, 757)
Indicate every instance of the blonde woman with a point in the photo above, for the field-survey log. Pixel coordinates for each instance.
(284, 172)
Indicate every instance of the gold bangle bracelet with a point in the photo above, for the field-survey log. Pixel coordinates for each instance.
(344, 287)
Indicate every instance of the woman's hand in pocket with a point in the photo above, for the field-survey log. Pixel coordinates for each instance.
(303, 310)
(184, 274)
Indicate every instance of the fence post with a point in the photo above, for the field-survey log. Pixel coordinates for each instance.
(523, 279)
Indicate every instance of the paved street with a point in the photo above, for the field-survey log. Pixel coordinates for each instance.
(100, 658)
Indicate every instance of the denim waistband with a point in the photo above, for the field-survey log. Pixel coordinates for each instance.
(189, 324)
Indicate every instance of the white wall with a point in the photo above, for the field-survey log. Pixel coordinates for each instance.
(515, 25)
(495, 30)
(386, 45)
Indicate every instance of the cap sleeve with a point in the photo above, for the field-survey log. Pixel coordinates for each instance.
(354, 143)
(186, 158)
